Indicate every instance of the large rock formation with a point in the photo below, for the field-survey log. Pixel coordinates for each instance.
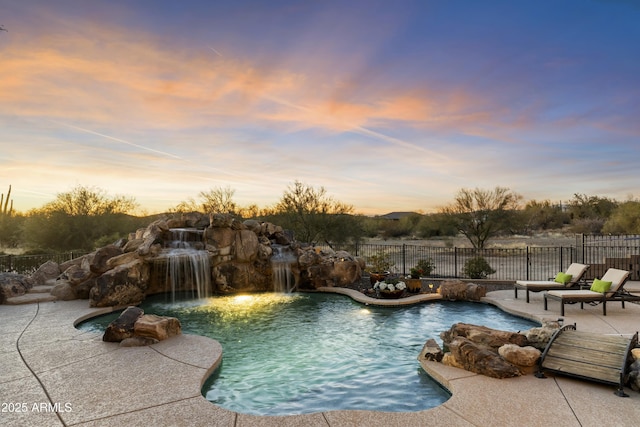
(238, 258)
(12, 285)
(486, 351)
(457, 290)
(134, 328)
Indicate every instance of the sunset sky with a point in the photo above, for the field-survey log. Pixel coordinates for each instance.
(388, 105)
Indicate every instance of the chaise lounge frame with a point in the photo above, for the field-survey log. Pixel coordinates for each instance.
(616, 293)
(577, 271)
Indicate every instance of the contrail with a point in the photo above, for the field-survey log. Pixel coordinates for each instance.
(215, 51)
(118, 140)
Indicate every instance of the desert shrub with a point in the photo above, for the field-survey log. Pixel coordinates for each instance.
(477, 268)
(424, 267)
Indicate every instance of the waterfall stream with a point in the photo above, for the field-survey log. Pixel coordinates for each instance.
(187, 265)
(282, 260)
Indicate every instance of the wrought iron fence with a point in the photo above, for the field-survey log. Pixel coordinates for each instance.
(26, 264)
(530, 263)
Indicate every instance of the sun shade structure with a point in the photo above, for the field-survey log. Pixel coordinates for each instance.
(575, 270)
(598, 293)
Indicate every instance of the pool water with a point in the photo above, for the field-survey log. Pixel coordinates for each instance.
(286, 354)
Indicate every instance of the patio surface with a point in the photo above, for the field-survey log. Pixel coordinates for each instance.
(55, 375)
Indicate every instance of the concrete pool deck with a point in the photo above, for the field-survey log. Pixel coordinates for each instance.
(55, 375)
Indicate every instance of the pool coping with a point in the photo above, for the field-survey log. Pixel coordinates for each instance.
(50, 363)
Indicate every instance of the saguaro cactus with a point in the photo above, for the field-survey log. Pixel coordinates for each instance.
(5, 208)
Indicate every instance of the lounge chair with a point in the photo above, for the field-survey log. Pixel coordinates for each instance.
(593, 296)
(576, 271)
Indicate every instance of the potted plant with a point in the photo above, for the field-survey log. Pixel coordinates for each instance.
(390, 288)
(379, 267)
(423, 268)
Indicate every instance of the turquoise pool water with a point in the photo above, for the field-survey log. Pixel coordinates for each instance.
(303, 353)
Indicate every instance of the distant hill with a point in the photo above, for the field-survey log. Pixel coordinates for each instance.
(395, 216)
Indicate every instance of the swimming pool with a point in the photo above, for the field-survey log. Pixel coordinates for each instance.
(287, 354)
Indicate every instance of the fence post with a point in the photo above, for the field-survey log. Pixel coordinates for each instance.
(561, 264)
(528, 261)
(455, 262)
(404, 259)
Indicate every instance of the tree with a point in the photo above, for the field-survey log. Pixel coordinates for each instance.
(89, 201)
(589, 213)
(77, 219)
(481, 214)
(312, 215)
(218, 200)
(543, 216)
(625, 219)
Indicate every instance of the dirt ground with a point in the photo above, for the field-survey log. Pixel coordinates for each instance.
(553, 239)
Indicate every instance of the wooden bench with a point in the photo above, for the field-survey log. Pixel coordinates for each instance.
(589, 356)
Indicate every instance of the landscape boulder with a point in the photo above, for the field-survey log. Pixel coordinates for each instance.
(457, 290)
(13, 285)
(431, 351)
(47, 271)
(123, 326)
(483, 336)
(63, 291)
(525, 358)
(540, 337)
(157, 327)
(477, 358)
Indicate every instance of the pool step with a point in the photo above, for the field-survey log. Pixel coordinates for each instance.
(41, 293)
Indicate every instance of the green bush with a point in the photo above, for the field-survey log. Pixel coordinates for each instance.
(477, 268)
(423, 268)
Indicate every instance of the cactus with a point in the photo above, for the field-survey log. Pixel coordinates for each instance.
(4, 204)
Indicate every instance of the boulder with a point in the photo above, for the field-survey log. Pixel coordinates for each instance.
(63, 291)
(449, 360)
(246, 245)
(76, 275)
(478, 359)
(82, 290)
(457, 290)
(633, 377)
(540, 337)
(123, 326)
(487, 337)
(219, 237)
(157, 327)
(346, 272)
(524, 358)
(133, 245)
(124, 285)
(47, 271)
(431, 351)
(99, 262)
(64, 266)
(475, 292)
(12, 285)
(124, 258)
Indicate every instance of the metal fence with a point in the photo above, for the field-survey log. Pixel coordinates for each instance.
(27, 264)
(528, 263)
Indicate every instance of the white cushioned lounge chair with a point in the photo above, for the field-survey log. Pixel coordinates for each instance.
(616, 292)
(576, 270)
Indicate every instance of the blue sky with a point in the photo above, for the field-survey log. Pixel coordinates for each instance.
(390, 106)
